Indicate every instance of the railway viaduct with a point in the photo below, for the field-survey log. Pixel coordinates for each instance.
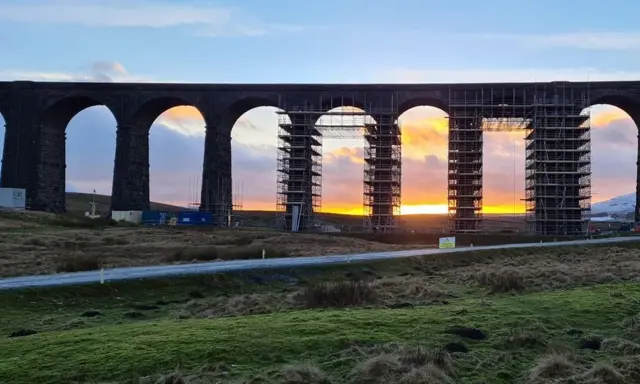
(557, 141)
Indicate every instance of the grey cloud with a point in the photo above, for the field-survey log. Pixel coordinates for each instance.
(98, 71)
(621, 133)
(199, 18)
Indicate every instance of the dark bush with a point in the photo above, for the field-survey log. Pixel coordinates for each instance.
(242, 240)
(247, 253)
(78, 263)
(210, 253)
(70, 222)
(338, 294)
(113, 240)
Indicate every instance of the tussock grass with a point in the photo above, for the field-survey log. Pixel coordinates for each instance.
(600, 373)
(502, 280)
(405, 364)
(408, 289)
(303, 374)
(632, 323)
(338, 294)
(552, 366)
(620, 346)
(526, 337)
(236, 305)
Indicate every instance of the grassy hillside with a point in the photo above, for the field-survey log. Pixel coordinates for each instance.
(78, 203)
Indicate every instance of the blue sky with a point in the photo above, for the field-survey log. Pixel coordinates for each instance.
(329, 41)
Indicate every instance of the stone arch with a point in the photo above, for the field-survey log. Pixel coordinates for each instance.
(627, 104)
(242, 106)
(619, 142)
(425, 101)
(217, 179)
(149, 111)
(50, 192)
(59, 113)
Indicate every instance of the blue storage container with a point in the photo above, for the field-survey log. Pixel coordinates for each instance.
(155, 217)
(195, 218)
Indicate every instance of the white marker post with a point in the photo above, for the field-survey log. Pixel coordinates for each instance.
(102, 276)
(264, 253)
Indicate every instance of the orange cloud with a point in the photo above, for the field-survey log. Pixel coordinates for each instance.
(429, 135)
(184, 119)
(607, 116)
(183, 113)
(354, 155)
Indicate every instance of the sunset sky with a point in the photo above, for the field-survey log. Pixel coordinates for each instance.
(196, 41)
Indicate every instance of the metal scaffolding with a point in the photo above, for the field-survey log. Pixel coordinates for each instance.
(471, 112)
(558, 162)
(382, 173)
(302, 132)
(299, 169)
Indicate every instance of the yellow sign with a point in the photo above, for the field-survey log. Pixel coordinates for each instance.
(447, 242)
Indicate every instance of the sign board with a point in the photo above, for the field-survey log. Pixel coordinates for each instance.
(447, 242)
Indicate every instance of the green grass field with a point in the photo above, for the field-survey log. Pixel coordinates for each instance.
(566, 315)
(249, 345)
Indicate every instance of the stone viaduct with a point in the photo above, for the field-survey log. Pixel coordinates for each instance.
(37, 113)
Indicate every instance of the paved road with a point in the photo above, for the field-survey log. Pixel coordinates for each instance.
(130, 273)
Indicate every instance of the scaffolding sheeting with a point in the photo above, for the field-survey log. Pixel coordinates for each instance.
(471, 112)
(558, 162)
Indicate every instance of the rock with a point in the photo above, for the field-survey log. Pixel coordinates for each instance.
(456, 347)
(468, 333)
(134, 315)
(91, 313)
(146, 307)
(23, 332)
(196, 295)
(591, 343)
(575, 332)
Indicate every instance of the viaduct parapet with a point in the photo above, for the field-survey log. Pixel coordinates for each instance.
(558, 142)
